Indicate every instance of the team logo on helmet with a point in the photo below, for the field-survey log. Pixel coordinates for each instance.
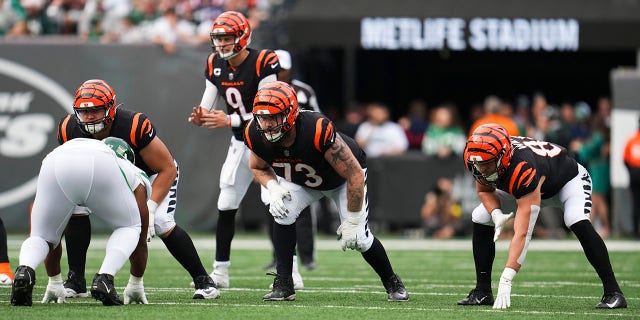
(230, 23)
(121, 148)
(488, 152)
(275, 109)
(94, 97)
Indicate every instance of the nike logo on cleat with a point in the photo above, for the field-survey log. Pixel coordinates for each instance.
(612, 304)
(106, 287)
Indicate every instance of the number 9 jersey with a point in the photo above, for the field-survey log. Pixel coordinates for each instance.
(533, 159)
(239, 85)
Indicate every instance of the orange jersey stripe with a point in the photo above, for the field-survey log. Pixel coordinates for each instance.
(259, 61)
(146, 127)
(516, 173)
(246, 135)
(530, 177)
(523, 176)
(210, 64)
(134, 125)
(318, 136)
(329, 132)
(63, 129)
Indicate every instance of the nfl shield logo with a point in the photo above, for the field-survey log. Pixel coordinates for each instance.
(230, 76)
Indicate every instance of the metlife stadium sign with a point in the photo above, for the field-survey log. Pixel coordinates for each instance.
(478, 34)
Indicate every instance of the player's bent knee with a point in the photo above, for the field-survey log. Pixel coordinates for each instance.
(481, 216)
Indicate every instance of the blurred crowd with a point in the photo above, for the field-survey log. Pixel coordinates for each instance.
(439, 131)
(164, 22)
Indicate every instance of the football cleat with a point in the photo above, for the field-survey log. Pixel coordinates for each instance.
(396, 291)
(613, 300)
(282, 289)
(220, 276)
(22, 289)
(103, 289)
(205, 288)
(6, 274)
(75, 286)
(477, 297)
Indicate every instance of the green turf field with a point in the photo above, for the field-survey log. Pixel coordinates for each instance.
(556, 282)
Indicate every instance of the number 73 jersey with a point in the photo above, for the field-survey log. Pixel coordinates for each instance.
(531, 160)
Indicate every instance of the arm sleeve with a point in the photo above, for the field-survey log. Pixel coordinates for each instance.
(210, 96)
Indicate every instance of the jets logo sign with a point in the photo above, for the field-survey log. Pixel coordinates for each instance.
(30, 104)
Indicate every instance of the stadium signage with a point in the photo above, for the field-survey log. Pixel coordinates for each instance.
(478, 34)
(27, 127)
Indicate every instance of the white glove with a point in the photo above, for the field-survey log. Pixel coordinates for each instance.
(277, 194)
(348, 231)
(499, 219)
(55, 290)
(153, 206)
(134, 291)
(503, 299)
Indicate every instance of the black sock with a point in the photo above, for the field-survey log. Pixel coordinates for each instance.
(284, 240)
(4, 256)
(77, 237)
(484, 251)
(270, 224)
(305, 236)
(377, 258)
(225, 230)
(181, 247)
(597, 254)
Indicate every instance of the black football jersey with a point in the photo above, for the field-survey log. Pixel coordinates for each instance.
(306, 96)
(303, 162)
(239, 85)
(533, 159)
(133, 127)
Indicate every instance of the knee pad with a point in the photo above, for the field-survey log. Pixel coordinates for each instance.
(480, 215)
(163, 222)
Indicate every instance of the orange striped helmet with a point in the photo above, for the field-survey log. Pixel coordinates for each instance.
(230, 23)
(92, 96)
(275, 109)
(488, 152)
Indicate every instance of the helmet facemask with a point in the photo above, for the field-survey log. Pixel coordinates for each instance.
(488, 171)
(218, 45)
(273, 126)
(93, 126)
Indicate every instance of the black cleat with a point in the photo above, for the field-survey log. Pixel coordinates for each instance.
(613, 300)
(205, 288)
(395, 289)
(477, 297)
(282, 289)
(102, 289)
(75, 286)
(22, 288)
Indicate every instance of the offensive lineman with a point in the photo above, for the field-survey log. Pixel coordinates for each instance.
(520, 174)
(97, 116)
(300, 159)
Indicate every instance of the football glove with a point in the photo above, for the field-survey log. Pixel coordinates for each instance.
(348, 231)
(277, 194)
(499, 219)
(55, 290)
(134, 291)
(153, 206)
(503, 299)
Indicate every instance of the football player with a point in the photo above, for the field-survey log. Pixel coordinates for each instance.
(519, 175)
(97, 116)
(300, 158)
(305, 230)
(68, 177)
(234, 72)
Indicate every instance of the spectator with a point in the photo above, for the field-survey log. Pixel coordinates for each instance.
(170, 29)
(415, 123)
(493, 109)
(379, 136)
(632, 161)
(440, 212)
(444, 137)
